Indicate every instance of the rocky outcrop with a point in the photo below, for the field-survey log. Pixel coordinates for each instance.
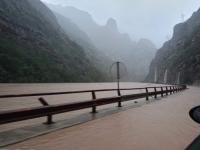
(111, 25)
(180, 55)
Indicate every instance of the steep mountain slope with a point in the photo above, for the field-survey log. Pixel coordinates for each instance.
(117, 46)
(98, 58)
(180, 55)
(34, 48)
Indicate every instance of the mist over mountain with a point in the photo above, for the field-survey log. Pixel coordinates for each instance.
(180, 55)
(99, 59)
(117, 46)
(35, 48)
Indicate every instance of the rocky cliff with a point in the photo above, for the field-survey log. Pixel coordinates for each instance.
(35, 48)
(180, 55)
(116, 46)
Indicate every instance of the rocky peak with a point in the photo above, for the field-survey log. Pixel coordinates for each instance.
(111, 24)
(179, 31)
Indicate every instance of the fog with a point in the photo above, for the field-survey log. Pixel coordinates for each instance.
(152, 19)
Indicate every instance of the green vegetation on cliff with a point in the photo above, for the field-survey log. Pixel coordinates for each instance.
(34, 48)
(180, 55)
(20, 62)
(190, 56)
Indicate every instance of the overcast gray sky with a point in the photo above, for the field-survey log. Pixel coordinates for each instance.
(151, 19)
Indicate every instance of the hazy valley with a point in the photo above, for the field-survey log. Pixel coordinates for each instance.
(116, 46)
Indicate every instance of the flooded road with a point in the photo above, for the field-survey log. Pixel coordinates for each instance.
(26, 102)
(162, 125)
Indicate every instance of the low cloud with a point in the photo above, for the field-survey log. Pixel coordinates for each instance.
(152, 19)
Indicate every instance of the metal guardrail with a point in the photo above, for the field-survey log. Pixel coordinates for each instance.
(9, 116)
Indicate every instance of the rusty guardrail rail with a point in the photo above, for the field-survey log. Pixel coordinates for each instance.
(9, 116)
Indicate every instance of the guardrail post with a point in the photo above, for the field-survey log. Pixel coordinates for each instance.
(173, 90)
(119, 103)
(49, 117)
(147, 98)
(94, 111)
(170, 90)
(166, 91)
(162, 92)
(155, 92)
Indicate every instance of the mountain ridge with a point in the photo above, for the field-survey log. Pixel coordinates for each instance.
(115, 45)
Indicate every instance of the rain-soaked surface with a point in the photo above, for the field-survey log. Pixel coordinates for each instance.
(162, 125)
(24, 102)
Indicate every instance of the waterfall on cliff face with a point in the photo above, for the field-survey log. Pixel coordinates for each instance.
(178, 79)
(155, 76)
(165, 76)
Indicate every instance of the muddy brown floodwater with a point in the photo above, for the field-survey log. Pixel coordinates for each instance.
(162, 125)
(25, 102)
